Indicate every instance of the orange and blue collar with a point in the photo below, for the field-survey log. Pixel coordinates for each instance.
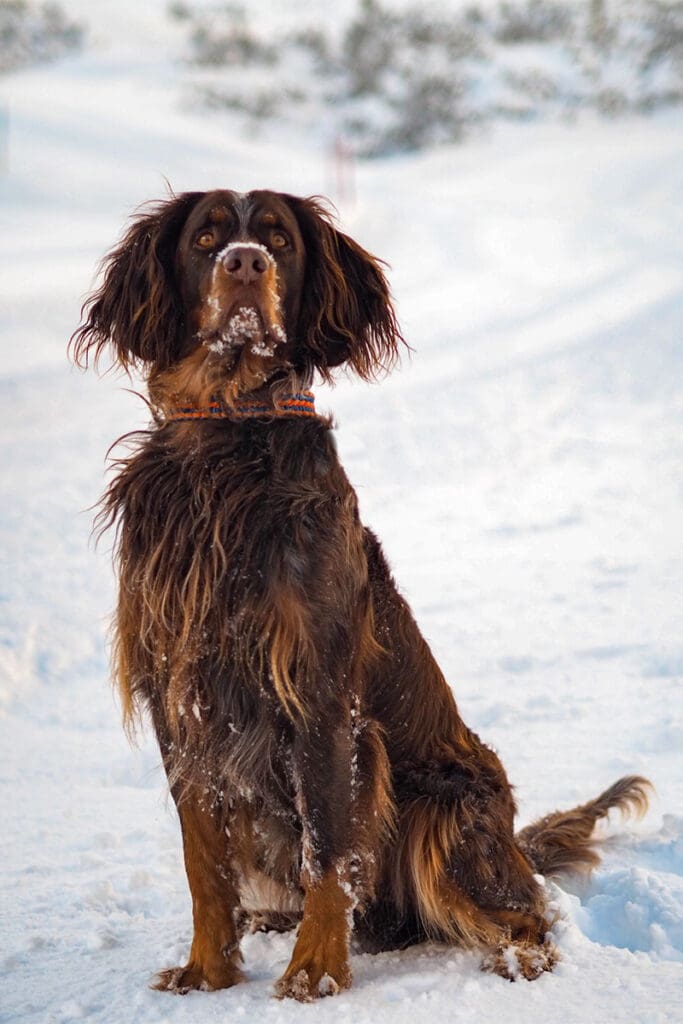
(301, 404)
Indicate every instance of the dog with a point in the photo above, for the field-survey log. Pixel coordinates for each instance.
(322, 774)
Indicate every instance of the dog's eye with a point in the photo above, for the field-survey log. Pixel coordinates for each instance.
(279, 240)
(206, 240)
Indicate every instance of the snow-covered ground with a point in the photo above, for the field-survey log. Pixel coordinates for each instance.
(524, 469)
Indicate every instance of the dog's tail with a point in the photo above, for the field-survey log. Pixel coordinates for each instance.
(563, 841)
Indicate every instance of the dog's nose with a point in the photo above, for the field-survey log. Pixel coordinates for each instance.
(246, 263)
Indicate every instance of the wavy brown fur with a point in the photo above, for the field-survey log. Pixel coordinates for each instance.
(346, 290)
(563, 842)
(137, 309)
(313, 747)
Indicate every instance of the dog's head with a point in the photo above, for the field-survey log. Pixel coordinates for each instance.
(222, 293)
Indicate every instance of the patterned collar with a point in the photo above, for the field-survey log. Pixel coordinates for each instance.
(301, 404)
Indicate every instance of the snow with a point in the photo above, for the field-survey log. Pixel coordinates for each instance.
(523, 468)
(243, 325)
(226, 250)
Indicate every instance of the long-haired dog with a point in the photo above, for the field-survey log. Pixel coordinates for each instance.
(322, 774)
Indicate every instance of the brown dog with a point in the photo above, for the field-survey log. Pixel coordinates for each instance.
(320, 768)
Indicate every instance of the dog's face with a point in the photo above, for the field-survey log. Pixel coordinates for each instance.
(240, 265)
(220, 294)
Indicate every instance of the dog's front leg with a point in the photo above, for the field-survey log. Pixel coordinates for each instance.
(323, 769)
(214, 955)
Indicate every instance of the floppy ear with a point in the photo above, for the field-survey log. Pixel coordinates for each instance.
(346, 314)
(137, 308)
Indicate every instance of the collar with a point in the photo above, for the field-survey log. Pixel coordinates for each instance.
(300, 404)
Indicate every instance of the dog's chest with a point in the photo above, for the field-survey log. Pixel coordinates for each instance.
(221, 543)
(250, 502)
(252, 755)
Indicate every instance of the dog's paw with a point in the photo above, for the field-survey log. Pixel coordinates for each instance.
(521, 960)
(309, 982)
(181, 980)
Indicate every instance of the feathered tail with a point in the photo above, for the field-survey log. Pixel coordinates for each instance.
(563, 841)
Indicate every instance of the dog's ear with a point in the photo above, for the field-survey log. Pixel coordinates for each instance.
(346, 315)
(136, 308)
